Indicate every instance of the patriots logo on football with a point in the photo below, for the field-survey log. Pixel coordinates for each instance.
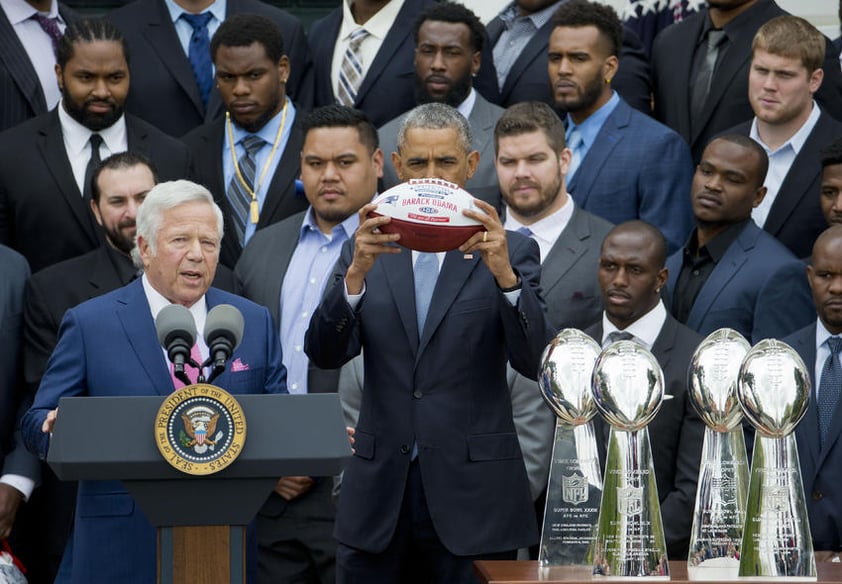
(390, 200)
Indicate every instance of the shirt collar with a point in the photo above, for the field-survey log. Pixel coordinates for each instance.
(217, 9)
(539, 19)
(76, 135)
(157, 302)
(377, 26)
(467, 106)
(822, 334)
(346, 228)
(18, 11)
(548, 228)
(717, 246)
(593, 124)
(646, 328)
(797, 140)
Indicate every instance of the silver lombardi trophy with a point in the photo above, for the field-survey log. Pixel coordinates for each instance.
(575, 483)
(628, 389)
(723, 476)
(774, 392)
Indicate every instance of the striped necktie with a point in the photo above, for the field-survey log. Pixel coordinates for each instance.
(351, 70)
(239, 194)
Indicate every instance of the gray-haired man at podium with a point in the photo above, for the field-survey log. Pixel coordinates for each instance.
(108, 347)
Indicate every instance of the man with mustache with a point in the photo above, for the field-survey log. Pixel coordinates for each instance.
(631, 276)
(819, 448)
(249, 159)
(731, 273)
(46, 171)
(118, 188)
(449, 39)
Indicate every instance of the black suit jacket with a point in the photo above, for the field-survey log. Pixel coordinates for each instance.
(821, 465)
(528, 80)
(42, 213)
(21, 94)
(676, 434)
(727, 105)
(796, 218)
(205, 145)
(388, 88)
(163, 89)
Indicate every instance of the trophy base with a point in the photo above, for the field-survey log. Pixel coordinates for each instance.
(779, 578)
(629, 578)
(715, 570)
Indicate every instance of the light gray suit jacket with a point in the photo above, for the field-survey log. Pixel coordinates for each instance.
(483, 118)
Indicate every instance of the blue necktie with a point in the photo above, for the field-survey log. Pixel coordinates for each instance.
(574, 142)
(426, 274)
(199, 52)
(525, 231)
(831, 381)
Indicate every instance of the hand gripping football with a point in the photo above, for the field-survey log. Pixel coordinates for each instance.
(427, 213)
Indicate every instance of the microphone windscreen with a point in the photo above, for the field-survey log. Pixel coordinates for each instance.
(226, 321)
(175, 320)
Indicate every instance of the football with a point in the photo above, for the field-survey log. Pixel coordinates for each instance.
(427, 213)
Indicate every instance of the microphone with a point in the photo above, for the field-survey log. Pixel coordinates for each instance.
(223, 333)
(177, 333)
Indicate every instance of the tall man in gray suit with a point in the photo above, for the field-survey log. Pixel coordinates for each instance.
(448, 44)
(340, 165)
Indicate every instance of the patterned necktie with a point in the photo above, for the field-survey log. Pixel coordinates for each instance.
(618, 336)
(93, 163)
(426, 273)
(701, 85)
(50, 26)
(238, 194)
(574, 142)
(192, 372)
(199, 52)
(829, 387)
(351, 70)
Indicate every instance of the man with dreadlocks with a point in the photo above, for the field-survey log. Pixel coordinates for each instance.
(45, 174)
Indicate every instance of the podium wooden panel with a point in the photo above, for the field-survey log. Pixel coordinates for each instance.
(524, 572)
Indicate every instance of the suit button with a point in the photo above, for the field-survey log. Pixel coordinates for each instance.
(404, 448)
(817, 496)
(417, 394)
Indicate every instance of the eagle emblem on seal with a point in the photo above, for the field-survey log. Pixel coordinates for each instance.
(200, 429)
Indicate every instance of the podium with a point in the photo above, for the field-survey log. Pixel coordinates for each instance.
(199, 539)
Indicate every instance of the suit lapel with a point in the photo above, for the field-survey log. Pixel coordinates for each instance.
(455, 271)
(662, 347)
(482, 123)
(51, 146)
(397, 269)
(533, 49)
(807, 431)
(599, 153)
(723, 272)
(135, 316)
(398, 34)
(281, 187)
(800, 177)
(284, 247)
(160, 33)
(20, 68)
(566, 251)
(103, 277)
(679, 77)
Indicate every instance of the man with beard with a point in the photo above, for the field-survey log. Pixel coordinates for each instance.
(118, 187)
(624, 164)
(48, 161)
(249, 159)
(449, 40)
(819, 446)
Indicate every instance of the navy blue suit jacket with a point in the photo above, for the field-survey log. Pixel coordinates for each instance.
(446, 391)
(637, 168)
(108, 346)
(388, 88)
(821, 466)
(758, 288)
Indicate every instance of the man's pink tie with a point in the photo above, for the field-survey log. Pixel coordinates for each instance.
(191, 372)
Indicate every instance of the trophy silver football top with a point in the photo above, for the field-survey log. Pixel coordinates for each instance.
(774, 388)
(565, 379)
(628, 385)
(713, 374)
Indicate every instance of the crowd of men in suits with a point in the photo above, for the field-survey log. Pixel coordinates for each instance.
(663, 195)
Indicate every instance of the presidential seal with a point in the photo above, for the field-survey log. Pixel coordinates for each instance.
(200, 429)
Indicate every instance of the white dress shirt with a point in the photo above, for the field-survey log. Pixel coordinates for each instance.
(547, 230)
(77, 143)
(645, 329)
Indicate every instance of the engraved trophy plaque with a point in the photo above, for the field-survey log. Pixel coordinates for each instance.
(575, 483)
(774, 392)
(628, 388)
(723, 475)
